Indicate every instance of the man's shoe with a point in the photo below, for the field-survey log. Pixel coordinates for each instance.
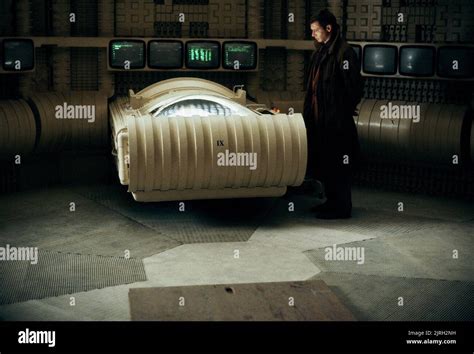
(332, 214)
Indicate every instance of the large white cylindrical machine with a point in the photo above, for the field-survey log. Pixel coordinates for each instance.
(189, 138)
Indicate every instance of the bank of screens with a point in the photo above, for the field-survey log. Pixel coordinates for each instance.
(127, 54)
(417, 61)
(239, 55)
(380, 59)
(165, 54)
(358, 51)
(202, 55)
(18, 54)
(456, 62)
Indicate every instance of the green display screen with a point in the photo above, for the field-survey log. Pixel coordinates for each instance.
(202, 55)
(240, 55)
(127, 54)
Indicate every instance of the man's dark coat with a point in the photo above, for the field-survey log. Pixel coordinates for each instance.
(330, 125)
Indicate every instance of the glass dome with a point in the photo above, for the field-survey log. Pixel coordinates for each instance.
(199, 105)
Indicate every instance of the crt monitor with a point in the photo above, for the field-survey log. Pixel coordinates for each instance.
(239, 55)
(127, 54)
(456, 62)
(18, 54)
(380, 59)
(202, 55)
(165, 54)
(417, 60)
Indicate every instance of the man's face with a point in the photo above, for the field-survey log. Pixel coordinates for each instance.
(319, 33)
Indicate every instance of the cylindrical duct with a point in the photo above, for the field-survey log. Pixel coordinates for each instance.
(432, 133)
(17, 129)
(194, 153)
(73, 120)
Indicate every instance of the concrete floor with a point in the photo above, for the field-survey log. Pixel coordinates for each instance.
(408, 254)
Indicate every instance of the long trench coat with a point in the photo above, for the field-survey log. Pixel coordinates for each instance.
(333, 146)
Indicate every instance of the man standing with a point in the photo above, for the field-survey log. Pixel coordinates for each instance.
(333, 92)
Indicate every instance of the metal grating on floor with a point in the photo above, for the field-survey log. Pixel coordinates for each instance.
(202, 221)
(377, 223)
(188, 232)
(65, 273)
(415, 204)
(376, 298)
(27, 220)
(443, 253)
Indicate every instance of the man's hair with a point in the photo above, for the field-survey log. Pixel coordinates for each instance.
(325, 17)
